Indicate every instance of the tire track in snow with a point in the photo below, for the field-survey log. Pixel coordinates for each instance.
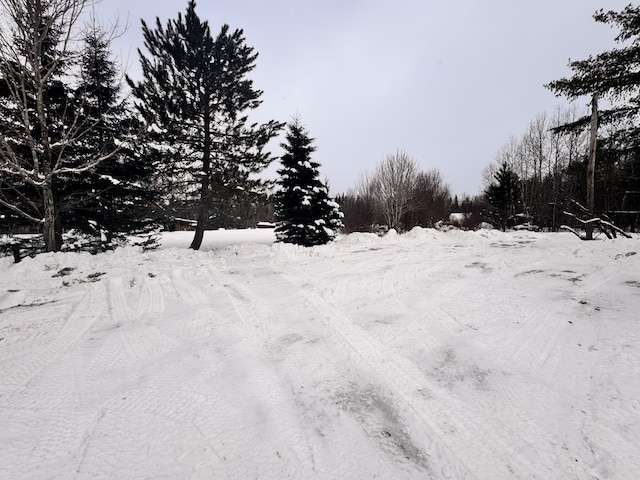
(323, 369)
(405, 324)
(502, 403)
(511, 418)
(531, 348)
(151, 298)
(48, 419)
(506, 400)
(119, 307)
(138, 333)
(417, 327)
(610, 432)
(35, 443)
(126, 336)
(190, 291)
(541, 346)
(477, 446)
(234, 420)
(252, 309)
(25, 331)
(111, 345)
(200, 409)
(151, 397)
(358, 349)
(84, 312)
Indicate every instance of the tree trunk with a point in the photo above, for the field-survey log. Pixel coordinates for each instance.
(205, 186)
(203, 208)
(50, 238)
(199, 235)
(591, 167)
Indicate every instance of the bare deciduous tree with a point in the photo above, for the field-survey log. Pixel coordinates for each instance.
(392, 186)
(539, 157)
(398, 195)
(431, 199)
(36, 45)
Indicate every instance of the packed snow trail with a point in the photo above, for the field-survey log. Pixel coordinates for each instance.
(463, 355)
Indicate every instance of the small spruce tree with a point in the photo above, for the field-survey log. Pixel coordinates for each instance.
(504, 195)
(305, 213)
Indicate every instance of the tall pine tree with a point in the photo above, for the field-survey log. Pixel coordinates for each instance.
(611, 74)
(194, 98)
(305, 213)
(614, 76)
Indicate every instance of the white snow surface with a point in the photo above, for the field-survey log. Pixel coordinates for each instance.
(428, 355)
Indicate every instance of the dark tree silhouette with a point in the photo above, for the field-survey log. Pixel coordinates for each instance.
(194, 98)
(504, 196)
(306, 214)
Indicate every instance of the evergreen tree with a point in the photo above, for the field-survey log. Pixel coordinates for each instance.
(306, 214)
(504, 196)
(611, 74)
(455, 206)
(193, 97)
(112, 197)
(41, 115)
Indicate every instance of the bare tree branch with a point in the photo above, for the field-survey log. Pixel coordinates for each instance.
(37, 43)
(392, 186)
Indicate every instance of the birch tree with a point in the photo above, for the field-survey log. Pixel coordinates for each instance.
(392, 186)
(40, 115)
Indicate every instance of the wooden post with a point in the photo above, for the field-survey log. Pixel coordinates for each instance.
(591, 167)
(15, 249)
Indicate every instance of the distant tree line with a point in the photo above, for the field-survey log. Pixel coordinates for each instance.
(551, 160)
(535, 176)
(398, 195)
(565, 162)
(542, 174)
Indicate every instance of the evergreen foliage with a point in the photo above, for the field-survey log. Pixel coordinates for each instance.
(613, 74)
(194, 98)
(305, 213)
(504, 196)
(53, 138)
(113, 197)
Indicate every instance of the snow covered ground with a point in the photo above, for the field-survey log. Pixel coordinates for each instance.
(428, 355)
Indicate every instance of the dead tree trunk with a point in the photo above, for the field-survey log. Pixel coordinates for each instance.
(591, 167)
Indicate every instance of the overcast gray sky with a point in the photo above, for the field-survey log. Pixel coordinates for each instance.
(447, 81)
